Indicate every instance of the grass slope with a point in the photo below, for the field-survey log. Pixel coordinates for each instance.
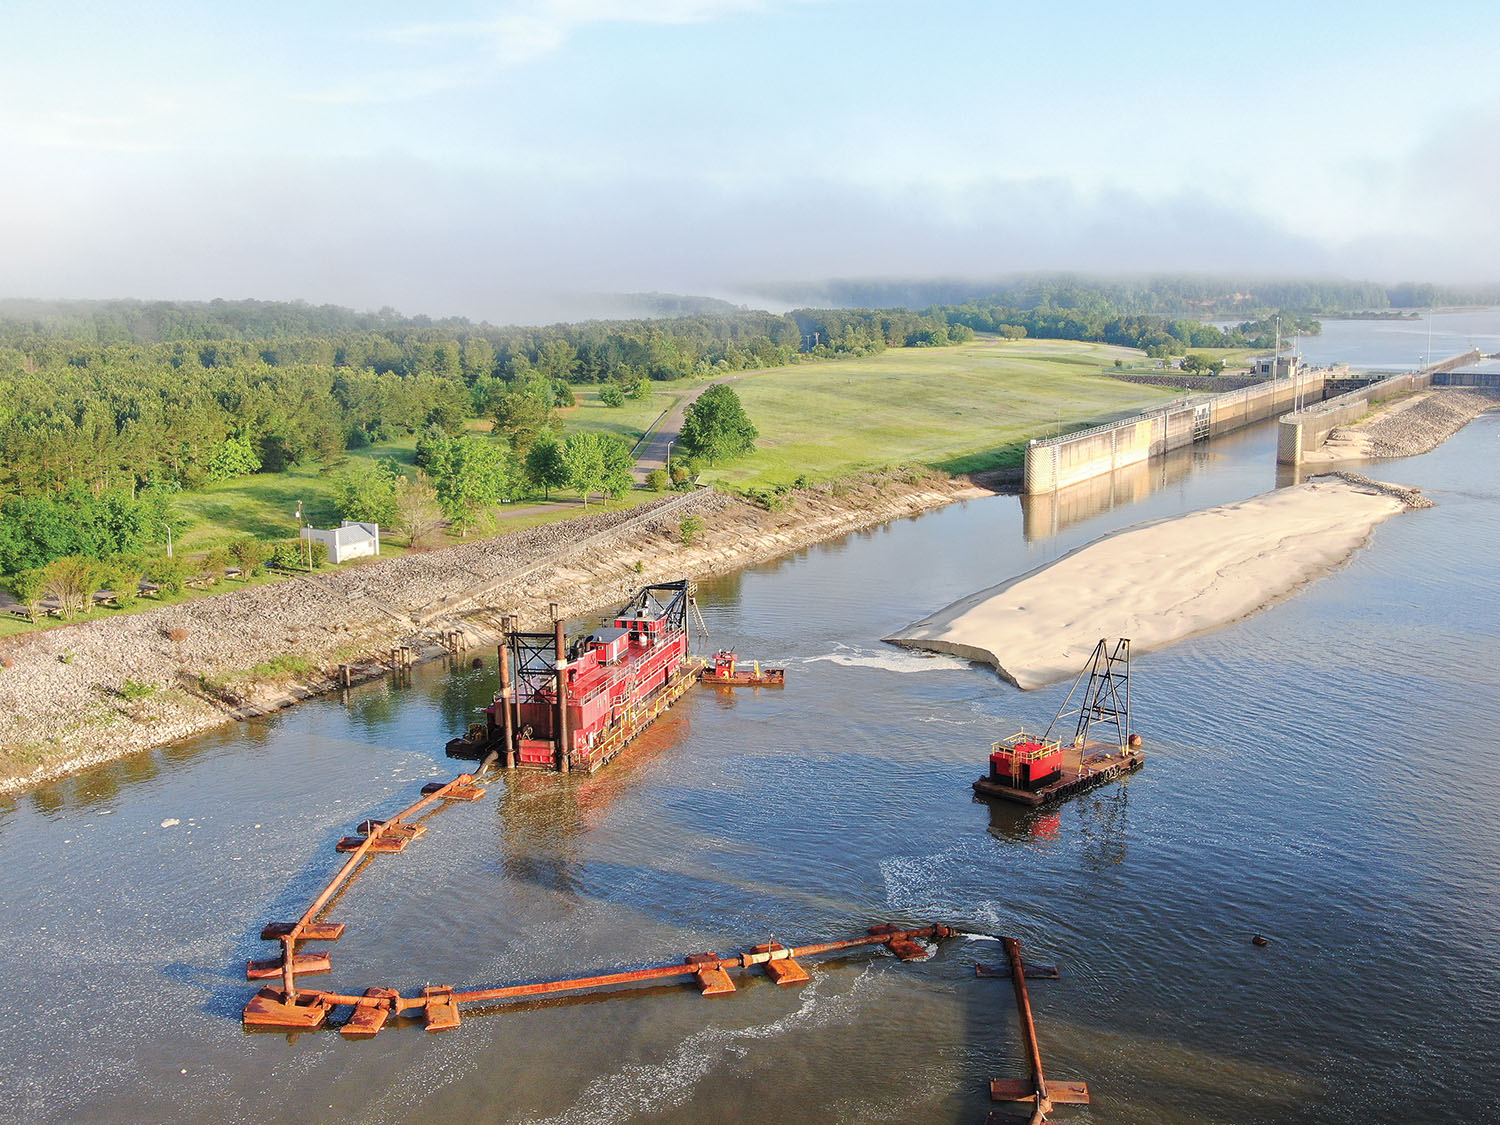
(959, 409)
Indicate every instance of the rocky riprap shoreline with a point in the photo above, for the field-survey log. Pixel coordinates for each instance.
(89, 692)
(1417, 427)
(1411, 497)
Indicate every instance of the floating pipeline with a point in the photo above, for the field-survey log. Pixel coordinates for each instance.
(288, 1008)
(276, 1009)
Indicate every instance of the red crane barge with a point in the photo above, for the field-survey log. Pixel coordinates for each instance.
(573, 706)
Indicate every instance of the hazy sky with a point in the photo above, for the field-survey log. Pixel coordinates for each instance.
(497, 159)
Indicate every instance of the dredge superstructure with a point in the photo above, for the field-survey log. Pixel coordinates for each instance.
(575, 705)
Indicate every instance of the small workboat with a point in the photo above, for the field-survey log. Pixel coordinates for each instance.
(726, 672)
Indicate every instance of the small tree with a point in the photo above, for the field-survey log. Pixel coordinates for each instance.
(122, 577)
(689, 528)
(72, 580)
(544, 466)
(656, 480)
(611, 395)
(27, 586)
(365, 490)
(214, 564)
(249, 555)
(597, 463)
(417, 513)
(170, 575)
(716, 427)
(286, 554)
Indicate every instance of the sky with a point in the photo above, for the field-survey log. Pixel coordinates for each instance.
(512, 160)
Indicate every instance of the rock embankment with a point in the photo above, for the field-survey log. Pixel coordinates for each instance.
(1415, 425)
(96, 690)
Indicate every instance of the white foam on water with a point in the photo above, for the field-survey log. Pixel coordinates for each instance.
(931, 888)
(901, 660)
(646, 1088)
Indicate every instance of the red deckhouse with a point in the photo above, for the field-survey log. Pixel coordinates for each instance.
(612, 683)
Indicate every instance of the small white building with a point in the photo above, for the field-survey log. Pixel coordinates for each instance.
(353, 540)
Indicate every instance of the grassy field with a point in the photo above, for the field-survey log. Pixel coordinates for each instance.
(959, 409)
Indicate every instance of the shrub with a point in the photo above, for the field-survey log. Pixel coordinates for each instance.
(214, 564)
(249, 554)
(611, 395)
(656, 480)
(287, 554)
(319, 553)
(177, 634)
(688, 529)
(170, 575)
(133, 689)
(122, 576)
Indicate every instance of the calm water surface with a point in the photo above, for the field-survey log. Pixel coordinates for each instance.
(1322, 774)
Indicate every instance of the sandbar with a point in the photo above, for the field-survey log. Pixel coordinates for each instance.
(1161, 582)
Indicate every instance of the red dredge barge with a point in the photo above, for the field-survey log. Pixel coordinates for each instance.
(568, 706)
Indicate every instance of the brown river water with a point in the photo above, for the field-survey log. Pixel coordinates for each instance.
(1322, 774)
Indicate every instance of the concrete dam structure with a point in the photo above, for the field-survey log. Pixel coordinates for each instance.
(1053, 463)
(1056, 463)
(1306, 430)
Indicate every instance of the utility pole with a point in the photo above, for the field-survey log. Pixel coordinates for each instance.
(304, 538)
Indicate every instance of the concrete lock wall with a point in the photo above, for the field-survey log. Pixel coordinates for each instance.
(1054, 463)
(1303, 432)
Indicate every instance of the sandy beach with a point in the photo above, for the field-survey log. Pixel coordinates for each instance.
(1161, 582)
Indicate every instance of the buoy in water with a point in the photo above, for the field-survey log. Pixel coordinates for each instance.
(476, 663)
(1258, 940)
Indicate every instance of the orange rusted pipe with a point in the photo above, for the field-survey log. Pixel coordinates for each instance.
(1028, 1027)
(636, 976)
(290, 938)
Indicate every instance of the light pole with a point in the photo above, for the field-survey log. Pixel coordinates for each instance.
(669, 457)
(168, 526)
(304, 538)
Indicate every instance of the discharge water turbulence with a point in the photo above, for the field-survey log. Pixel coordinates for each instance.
(1320, 774)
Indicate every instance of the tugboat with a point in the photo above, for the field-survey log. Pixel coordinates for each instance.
(725, 673)
(1037, 769)
(576, 705)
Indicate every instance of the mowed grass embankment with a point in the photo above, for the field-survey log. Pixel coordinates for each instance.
(958, 409)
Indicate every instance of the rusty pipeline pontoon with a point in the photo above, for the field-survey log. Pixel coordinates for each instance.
(288, 1008)
(284, 1009)
(1035, 770)
(375, 837)
(1035, 1089)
